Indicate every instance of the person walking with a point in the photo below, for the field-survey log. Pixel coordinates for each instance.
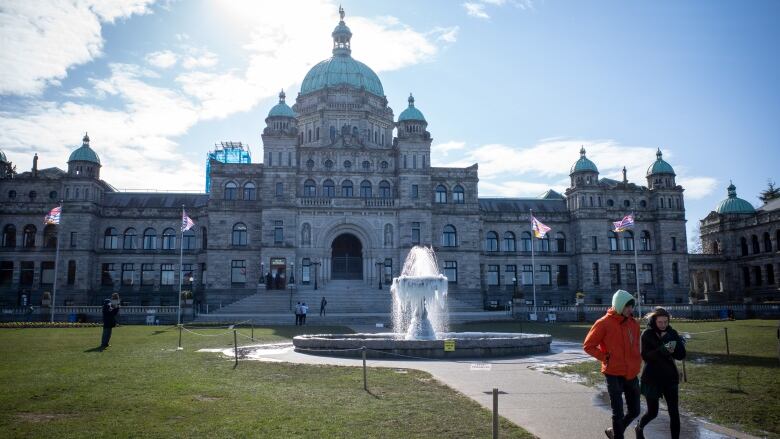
(323, 302)
(304, 311)
(109, 321)
(298, 314)
(614, 340)
(661, 345)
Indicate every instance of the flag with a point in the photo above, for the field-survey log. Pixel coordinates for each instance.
(539, 229)
(53, 217)
(186, 222)
(626, 223)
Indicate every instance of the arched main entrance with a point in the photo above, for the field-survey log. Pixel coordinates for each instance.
(347, 257)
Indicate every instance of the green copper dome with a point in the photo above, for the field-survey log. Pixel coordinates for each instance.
(281, 109)
(660, 166)
(734, 204)
(411, 112)
(84, 153)
(341, 69)
(583, 164)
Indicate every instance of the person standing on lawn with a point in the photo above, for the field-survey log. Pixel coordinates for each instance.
(614, 340)
(661, 345)
(109, 321)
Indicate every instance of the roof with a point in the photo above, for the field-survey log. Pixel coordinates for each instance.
(507, 205)
(84, 153)
(660, 166)
(551, 195)
(341, 70)
(771, 205)
(583, 164)
(733, 204)
(411, 112)
(154, 200)
(281, 109)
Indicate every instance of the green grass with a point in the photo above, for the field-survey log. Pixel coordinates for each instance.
(740, 390)
(57, 384)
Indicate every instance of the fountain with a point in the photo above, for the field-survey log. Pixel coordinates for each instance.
(420, 323)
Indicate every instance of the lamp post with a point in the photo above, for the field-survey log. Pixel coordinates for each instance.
(514, 281)
(316, 264)
(379, 264)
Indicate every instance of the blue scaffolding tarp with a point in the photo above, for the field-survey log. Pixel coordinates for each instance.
(226, 152)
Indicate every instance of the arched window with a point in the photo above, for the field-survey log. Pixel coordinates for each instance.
(328, 189)
(715, 248)
(560, 242)
(188, 240)
(458, 195)
(150, 239)
(610, 203)
(204, 240)
(644, 241)
(309, 188)
(441, 194)
(231, 191)
(628, 240)
(111, 239)
(743, 246)
(9, 236)
(509, 242)
(346, 188)
(491, 242)
(449, 236)
(168, 239)
(128, 240)
(388, 235)
(306, 234)
(365, 189)
(50, 236)
(385, 191)
(613, 242)
(250, 193)
(544, 243)
(754, 242)
(526, 242)
(767, 242)
(28, 237)
(643, 203)
(239, 234)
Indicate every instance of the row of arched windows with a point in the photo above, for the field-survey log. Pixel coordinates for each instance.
(627, 241)
(149, 240)
(28, 237)
(509, 243)
(755, 246)
(347, 189)
(441, 194)
(249, 191)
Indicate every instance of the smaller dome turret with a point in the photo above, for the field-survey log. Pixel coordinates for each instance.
(84, 161)
(584, 164)
(281, 109)
(733, 204)
(660, 166)
(411, 112)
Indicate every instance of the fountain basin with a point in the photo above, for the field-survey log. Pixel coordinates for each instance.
(383, 345)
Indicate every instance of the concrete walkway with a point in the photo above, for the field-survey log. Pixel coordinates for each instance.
(547, 405)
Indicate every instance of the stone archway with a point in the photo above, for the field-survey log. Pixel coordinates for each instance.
(347, 257)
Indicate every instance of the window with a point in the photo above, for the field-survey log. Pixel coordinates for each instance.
(610, 203)
(491, 242)
(545, 275)
(525, 240)
(743, 246)
(28, 238)
(346, 188)
(746, 276)
(631, 274)
(674, 244)
(12, 194)
(50, 236)
(767, 242)
(385, 190)
(9, 236)
(594, 243)
(204, 238)
(628, 241)
(770, 274)
(347, 164)
(231, 191)
(150, 239)
(328, 164)
(6, 272)
(528, 275)
(47, 272)
(647, 274)
(451, 271)
(33, 195)
(560, 242)
(239, 234)
(167, 275)
(510, 275)
(614, 274)
(328, 189)
(626, 203)
(306, 271)
(415, 233)
(73, 239)
(644, 241)
(509, 242)
(27, 273)
(238, 272)
(384, 165)
(595, 276)
(563, 275)
(544, 244)
(366, 165)
(188, 240)
(754, 242)
(675, 273)
(111, 239)
(147, 274)
(128, 239)
(613, 242)
(441, 194)
(279, 189)
(168, 239)
(365, 189)
(250, 191)
(278, 232)
(71, 272)
(458, 195)
(492, 275)
(128, 270)
(415, 191)
(306, 234)
(449, 236)
(757, 275)
(388, 235)
(309, 188)
(107, 273)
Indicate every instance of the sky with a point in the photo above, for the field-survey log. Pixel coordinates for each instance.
(514, 85)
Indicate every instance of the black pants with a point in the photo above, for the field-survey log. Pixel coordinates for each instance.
(671, 395)
(303, 319)
(322, 311)
(297, 319)
(106, 336)
(618, 386)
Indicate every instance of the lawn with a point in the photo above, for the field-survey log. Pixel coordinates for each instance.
(57, 384)
(740, 390)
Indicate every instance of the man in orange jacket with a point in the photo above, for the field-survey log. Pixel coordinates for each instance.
(614, 340)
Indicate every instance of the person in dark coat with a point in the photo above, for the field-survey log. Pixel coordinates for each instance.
(661, 345)
(109, 321)
(323, 303)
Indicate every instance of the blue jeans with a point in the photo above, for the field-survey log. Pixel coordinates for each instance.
(106, 336)
(617, 386)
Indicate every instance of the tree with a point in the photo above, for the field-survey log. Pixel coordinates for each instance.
(695, 245)
(770, 193)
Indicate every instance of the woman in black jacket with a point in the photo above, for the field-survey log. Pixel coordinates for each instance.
(661, 345)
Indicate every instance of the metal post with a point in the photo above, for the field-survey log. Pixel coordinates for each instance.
(316, 264)
(685, 374)
(379, 274)
(365, 375)
(56, 264)
(180, 329)
(235, 345)
(533, 266)
(636, 273)
(253, 330)
(495, 413)
(181, 258)
(726, 333)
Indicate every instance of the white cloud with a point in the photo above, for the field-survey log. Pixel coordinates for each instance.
(697, 188)
(163, 59)
(41, 42)
(476, 10)
(446, 34)
(199, 58)
(446, 147)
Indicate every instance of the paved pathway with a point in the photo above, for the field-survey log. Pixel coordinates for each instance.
(547, 405)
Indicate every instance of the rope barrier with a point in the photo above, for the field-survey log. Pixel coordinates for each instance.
(703, 332)
(208, 335)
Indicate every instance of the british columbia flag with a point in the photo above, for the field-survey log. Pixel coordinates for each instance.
(539, 229)
(626, 223)
(186, 222)
(53, 217)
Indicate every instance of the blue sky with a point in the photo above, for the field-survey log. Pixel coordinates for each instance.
(516, 86)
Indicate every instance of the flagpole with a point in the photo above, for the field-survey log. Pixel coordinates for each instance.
(56, 263)
(181, 259)
(636, 271)
(533, 264)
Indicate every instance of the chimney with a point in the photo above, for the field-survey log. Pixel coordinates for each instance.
(35, 165)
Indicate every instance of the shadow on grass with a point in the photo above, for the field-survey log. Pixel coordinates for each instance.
(158, 332)
(96, 349)
(734, 360)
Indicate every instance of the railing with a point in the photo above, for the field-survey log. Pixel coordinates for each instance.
(592, 312)
(123, 309)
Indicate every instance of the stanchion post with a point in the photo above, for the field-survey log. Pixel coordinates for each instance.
(180, 329)
(726, 333)
(253, 330)
(495, 413)
(235, 344)
(365, 375)
(685, 374)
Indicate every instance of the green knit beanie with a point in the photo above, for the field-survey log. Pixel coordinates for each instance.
(620, 299)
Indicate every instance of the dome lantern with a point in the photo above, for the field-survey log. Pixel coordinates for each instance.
(584, 164)
(733, 204)
(411, 112)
